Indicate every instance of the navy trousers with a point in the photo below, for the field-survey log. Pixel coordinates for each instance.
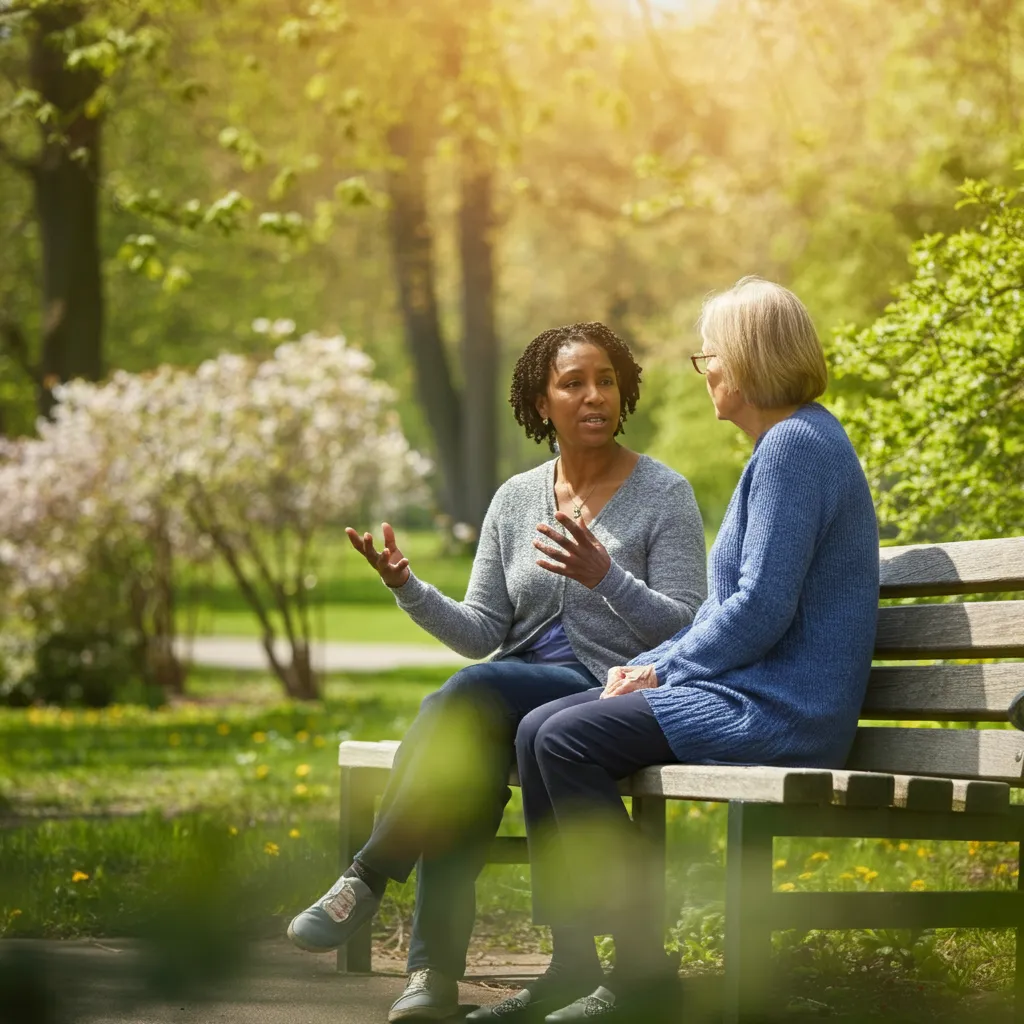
(447, 792)
(571, 755)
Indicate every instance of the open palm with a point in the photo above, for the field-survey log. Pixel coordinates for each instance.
(392, 565)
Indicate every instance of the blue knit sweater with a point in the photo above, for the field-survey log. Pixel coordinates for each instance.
(774, 667)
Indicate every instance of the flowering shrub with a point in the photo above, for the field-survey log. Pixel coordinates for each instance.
(239, 460)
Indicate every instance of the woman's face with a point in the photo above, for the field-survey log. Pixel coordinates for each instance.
(582, 397)
(727, 402)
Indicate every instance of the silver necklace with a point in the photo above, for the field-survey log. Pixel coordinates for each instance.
(577, 502)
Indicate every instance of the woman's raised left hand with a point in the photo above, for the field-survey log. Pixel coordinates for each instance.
(627, 678)
(580, 556)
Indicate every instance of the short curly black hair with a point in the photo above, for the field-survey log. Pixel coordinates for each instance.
(530, 376)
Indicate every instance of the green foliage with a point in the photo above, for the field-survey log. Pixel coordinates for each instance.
(940, 427)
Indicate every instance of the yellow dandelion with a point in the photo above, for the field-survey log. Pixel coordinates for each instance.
(232, 831)
(223, 729)
(302, 770)
(918, 884)
(861, 870)
(262, 771)
(301, 789)
(259, 737)
(870, 876)
(80, 876)
(847, 877)
(903, 847)
(302, 736)
(807, 874)
(174, 739)
(319, 741)
(922, 852)
(819, 855)
(787, 887)
(271, 849)
(695, 812)
(779, 865)
(294, 834)
(14, 913)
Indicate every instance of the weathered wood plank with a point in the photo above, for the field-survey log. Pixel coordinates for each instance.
(891, 823)
(963, 567)
(955, 693)
(837, 910)
(714, 782)
(917, 793)
(359, 754)
(990, 629)
(863, 789)
(976, 797)
(994, 754)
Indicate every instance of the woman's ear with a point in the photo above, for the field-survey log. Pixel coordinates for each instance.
(541, 405)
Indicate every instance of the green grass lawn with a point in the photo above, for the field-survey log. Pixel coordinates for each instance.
(111, 820)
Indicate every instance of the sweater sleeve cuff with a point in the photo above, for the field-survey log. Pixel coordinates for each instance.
(615, 583)
(411, 592)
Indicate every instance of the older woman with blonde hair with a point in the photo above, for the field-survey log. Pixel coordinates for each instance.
(772, 669)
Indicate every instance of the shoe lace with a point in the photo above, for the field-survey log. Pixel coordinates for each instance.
(421, 980)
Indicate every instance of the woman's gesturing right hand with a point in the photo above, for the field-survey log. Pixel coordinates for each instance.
(390, 563)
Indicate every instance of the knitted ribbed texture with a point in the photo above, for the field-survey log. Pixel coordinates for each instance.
(654, 534)
(774, 668)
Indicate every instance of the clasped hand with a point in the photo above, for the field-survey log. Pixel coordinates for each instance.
(580, 556)
(627, 678)
(389, 562)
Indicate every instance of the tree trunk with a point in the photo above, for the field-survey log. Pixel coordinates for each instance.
(479, 341)
(413, 255)
(66, 179)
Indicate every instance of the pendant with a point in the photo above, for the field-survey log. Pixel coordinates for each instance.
(577, 511)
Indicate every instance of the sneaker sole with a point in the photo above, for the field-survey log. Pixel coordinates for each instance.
(423, 1013)
(303, 945)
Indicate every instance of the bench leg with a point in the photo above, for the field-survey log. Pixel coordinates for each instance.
(357, 806)
(649, 816)
(1018, 977)
(747, 929)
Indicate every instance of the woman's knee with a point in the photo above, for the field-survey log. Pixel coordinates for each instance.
(468, 683)
(526, 734)
(557, 737)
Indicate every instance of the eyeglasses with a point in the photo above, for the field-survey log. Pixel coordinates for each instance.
(696, 360)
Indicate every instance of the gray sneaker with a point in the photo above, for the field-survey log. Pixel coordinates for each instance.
(335, 917)
(429, 995)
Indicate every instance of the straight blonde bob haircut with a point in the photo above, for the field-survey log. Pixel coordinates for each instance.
(766, 344)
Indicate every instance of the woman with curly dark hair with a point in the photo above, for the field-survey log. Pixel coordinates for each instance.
(582, 563)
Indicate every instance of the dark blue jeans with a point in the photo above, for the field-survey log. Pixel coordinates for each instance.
(571, 754)
(447, 792)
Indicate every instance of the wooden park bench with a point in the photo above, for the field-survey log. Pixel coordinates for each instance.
(901, 782)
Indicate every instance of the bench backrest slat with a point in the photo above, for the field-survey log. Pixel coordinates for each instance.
(957, 753)
(963, 567)
(950, 693)
(990, 629)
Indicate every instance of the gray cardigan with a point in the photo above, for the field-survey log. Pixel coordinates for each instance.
(653, 532)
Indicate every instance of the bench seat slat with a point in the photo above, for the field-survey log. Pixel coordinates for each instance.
(718, 782)
(993, 754)
(962, 567)
(978, 797)
(989, 629)
(952, 693)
